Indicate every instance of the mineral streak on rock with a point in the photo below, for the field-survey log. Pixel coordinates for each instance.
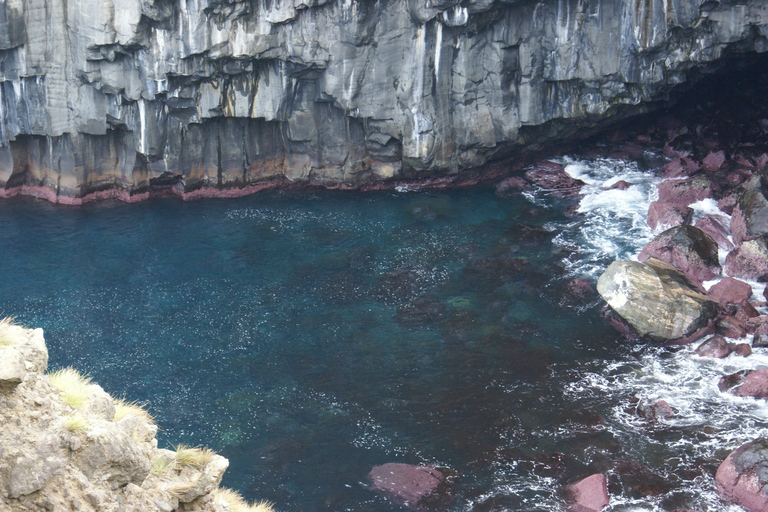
(101, 98)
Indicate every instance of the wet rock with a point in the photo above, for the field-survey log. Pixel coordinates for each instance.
(742, 349)
(578, 291)
(746, 383)
(662, 215)
(413, 486)
(730, 291)
(727, 203)
(684, 191)
(655, 299)
(552, 177)
(750, 216)
(589, 494)
(619, 185)
(760, 338)
(716, 346)
(748, 261)
(655, 411)
(495, 270)
(743, 476)
(688, 249)
(639, 479)
(710, 225)
(713, 161)
(512, 185)
(730, 327)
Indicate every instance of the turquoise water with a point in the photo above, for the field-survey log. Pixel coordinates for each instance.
(309, 336)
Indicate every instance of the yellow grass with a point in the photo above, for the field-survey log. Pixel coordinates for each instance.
(160, 466)
(123, 408)
(188, 456)
(238, 504)
(72, 385)
(180, 489)
(6, 337)
(74, 423)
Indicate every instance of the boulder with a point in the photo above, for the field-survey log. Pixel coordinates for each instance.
(674, 169)
(578, 291)
(730, 327)
(684, 191)
(512, 185)
(743, 476)
(716, 346)
(207, 481)
(713, 161)
(663, 215)
(32, 470)
(619, 185)
(12, 368)
(551, 176)
(110, 455)
(655, 411)
(712, 226)
(741, 349)
(589, 494)
(748, 261)
(750, 216)
(411, 485)
(730, 291)
(655, 299)
(746, 383)
(688, 249)
(760, 338)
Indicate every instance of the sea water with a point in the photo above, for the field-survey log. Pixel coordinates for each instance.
(310, 336)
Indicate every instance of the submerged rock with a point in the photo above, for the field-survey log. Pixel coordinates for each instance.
(655, 299)
(414, 486)
(743, 476)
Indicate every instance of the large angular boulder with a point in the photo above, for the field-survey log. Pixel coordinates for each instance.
(750, 216)
(413, 486)
(748, 261)
(712, 226)
(746, 383)
(655, 299)
(730, 291)
(688, 249)
(589, 494)
(743, 476)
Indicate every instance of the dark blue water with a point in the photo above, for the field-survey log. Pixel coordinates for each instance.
(309, 336)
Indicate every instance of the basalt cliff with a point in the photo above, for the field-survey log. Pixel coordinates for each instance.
(203, 97)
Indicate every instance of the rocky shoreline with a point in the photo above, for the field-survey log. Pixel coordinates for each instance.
(65, 444)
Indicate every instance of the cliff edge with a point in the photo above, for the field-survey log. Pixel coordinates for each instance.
(65, 444)
(105, 98)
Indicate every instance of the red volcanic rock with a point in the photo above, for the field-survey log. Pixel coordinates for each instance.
(688, 249)
(619, 185)
(409, 484)
(731, 327)
(589, 494)
(760, 338)
(716, 231)
(748, 261)
(684, 191)
(742, 349)
(727, 203)
(746, 383)
(551, 176)
(674, 169)
(730, 291)
(716, 346)
(578, 291)
(741, 476)
(511, 185)
(666, 215)
(750, 217)
(713, 161)
(655, 411)
(674, 153)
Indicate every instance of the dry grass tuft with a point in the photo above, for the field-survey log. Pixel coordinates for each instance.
(161, 466)
(74, 423)
(123, 408)
(180, 489)
(72, 385)
(238, 504)
(188, 456)
(7, 337)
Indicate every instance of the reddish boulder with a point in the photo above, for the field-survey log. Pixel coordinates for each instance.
(731, 327)
(748, 261)
(730, 291)
(713, 161)
(741, 349)
(512, 185)
(741, 478)
(619, 185)
(716, 346)
(726, 204)
(674, 169)
(655, 411)
(414, 486)
(760, 338)
(750, 217)
(688, 249)
(745, 383)
(684, 191)
(663, 215)
(578, 291)
(552, 176)
(716, 231)
(589, 494)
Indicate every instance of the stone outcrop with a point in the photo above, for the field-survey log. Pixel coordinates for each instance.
(741, 478)
(202, 97)
(655, 299)
(65, 444)
(688, 249)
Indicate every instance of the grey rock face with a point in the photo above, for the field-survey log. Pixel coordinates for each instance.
(191, 96)
(32, 470)
(655, 299)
